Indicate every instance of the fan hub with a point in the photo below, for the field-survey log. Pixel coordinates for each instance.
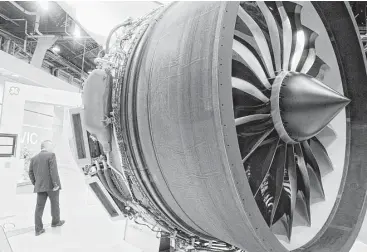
(301, 106)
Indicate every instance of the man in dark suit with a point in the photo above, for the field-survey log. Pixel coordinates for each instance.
(45, 178)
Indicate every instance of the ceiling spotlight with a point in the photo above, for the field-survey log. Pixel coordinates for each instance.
(43, 5)
(76, 32)
(55, 49)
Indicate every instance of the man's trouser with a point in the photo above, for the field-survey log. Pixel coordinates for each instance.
(55, 208)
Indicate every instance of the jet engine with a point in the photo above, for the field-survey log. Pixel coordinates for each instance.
(232, 126)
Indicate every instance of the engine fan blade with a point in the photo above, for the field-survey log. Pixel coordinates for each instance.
(249, 89)
(292, 175)
(251, 61)
(303, 181)
(318, 69)
(250, 118)
(314, 167)
(286, 34)
(298, 37)
(321, 156)
(249, 144)
(254, 127)
(273, 34)
(279, 179)
(259, 164)
(268, 192)
(242, 71)
(309, 53)
(260, 40)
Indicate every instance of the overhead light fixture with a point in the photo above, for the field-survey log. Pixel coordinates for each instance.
(55, 49)
(43, 5)
(76, 32)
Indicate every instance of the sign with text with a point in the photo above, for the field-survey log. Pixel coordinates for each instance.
(37, 126)
(32, 136)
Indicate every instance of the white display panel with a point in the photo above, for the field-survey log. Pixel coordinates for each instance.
(7, 145)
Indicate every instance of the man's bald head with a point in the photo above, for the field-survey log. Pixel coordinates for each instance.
(46, 145)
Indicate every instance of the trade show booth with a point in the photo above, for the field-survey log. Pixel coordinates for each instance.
(31, 113)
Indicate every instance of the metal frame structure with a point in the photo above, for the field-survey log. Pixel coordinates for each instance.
(21, 24)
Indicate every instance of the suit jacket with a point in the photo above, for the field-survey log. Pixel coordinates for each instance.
(43, 172)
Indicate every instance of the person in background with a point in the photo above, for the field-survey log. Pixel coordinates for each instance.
(45, 178)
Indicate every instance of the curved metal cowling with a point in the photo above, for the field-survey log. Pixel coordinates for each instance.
(97, 106)
(175, 130)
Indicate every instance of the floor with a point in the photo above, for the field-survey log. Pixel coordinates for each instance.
(86, 221)
(87, 226)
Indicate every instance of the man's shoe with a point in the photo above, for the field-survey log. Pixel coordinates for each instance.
(40, 232)
(62, 222)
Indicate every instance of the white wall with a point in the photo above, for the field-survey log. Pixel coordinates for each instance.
(13, 105)
(37, 125)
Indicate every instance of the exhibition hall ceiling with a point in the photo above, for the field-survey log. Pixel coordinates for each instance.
(109, 14)
(73, 52)
(81, 28)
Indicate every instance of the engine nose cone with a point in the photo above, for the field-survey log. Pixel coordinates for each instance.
(302, 106)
